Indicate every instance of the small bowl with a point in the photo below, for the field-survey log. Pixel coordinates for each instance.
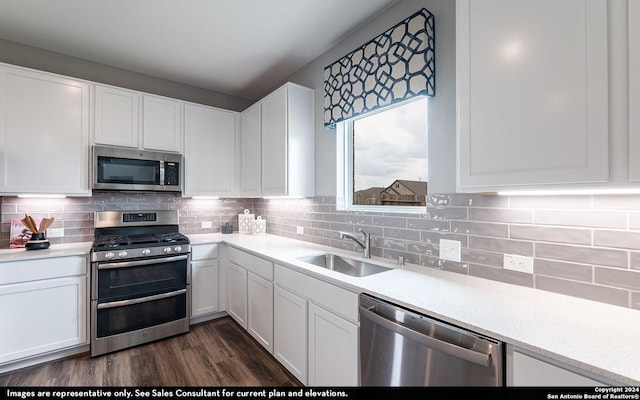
(38, 241)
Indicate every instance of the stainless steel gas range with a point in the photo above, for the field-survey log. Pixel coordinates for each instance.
(140, 279)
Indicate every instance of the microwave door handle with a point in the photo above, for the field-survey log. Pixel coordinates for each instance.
(161, 173)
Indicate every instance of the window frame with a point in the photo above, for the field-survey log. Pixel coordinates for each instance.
(344, 174)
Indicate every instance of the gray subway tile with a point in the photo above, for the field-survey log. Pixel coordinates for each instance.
(634, 220)
(616, 201)
(488, 258)
(453, 266)
(399, 233)
(480, 228)
(390, 221)
(621, 239)
(434, 237)
(635, 300)
(583, 290)
(447, 213)
(582, 254)
(479, 200)
(597, 219)
(501, 245)
(634, 260)
(617, 278)
(564, 270)
(551, 234)
(423, 248)
(426, 224)
(501, 215)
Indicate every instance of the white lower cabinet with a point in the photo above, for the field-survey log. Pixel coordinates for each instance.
(527, 369)
(44, 306)
(250, 294)
(237, 303)
(204, 280)
(316, 329)
(333, 349)
(260, 310)
(290, 332)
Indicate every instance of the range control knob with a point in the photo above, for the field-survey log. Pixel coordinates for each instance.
(167, 250)
(146, 252)
(109, 255)
(177, 249)
(122, 254)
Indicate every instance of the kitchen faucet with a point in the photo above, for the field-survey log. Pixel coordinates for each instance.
(365, 243)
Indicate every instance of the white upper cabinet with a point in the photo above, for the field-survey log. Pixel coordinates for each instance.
(209, 150)
(532, 93)
(162, 126)
(138, 120)
(278, 144)
(250, 152)
(44, 133)
(117, 117)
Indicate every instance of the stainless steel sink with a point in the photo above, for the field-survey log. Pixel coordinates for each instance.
(344, 265)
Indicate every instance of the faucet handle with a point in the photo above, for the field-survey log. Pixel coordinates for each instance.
(364, 233)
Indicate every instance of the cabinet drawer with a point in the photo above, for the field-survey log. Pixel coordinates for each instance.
(333, 298)
(42, 268)
(257, 265)
(204, 251)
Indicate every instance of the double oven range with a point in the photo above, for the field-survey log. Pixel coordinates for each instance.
(140, 279)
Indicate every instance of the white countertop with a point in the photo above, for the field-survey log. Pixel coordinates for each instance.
(592, 336)
(589, 335)
(55, 250)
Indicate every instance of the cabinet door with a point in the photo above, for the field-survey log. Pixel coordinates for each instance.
(44, 133)
(251, 155)
(532, 91)
(237, 300)
(290, 332)
(117, 116)
(333, 349)
(260, 310)
(274, 143)
(42, 316)
(526, 370)
(204, 287)
(162, 123)
(209, 153)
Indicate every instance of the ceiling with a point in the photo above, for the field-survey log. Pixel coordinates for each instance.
(237, 47)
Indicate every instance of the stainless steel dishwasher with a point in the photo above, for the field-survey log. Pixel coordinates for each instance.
(400, 347)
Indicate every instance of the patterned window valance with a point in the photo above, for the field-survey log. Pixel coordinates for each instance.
(397, 65)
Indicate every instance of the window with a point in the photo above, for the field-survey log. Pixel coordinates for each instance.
(382, 159)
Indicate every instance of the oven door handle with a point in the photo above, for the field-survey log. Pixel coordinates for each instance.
(122, 303)
(137, 263)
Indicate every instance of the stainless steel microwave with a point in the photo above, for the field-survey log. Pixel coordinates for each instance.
(116, 168)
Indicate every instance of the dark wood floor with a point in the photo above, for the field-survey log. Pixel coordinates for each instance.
(213, 353)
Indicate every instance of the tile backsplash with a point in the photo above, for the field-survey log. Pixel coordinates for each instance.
(75, 215)
(586, 246)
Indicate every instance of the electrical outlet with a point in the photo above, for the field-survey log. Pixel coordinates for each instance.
(450, 250)
(300, 230)
(207, 224)
(55, 232)
(518, 263)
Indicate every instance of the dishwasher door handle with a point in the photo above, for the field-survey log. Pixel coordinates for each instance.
(445, 347)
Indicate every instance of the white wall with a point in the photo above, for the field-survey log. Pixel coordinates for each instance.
(45, 60)
(442, 109)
